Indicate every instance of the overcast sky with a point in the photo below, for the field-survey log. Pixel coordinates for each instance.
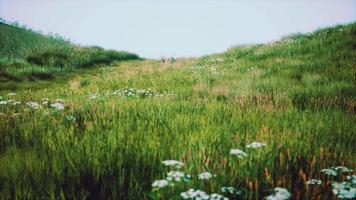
(155, 28)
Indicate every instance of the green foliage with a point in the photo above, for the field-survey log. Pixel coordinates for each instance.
(38, 52)
(120, 122)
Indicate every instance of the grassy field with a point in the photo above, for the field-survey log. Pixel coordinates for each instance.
(27, 55)
(119, 123)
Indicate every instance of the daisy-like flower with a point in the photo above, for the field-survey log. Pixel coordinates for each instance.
(280, 194)
(344, 190)
(342, 169)
(256, 145)
(205, 176)
(230, 190)
(314, 182)
(11, 94)
(57, 106)
(329, 172)
(195, 194)
(160, 184)
(239, 153)
(216, 196)
(173, 163)
(177, 176)
(33, 105)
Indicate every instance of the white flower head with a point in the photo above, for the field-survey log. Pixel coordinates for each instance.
(314, 182)
(11, 94)
(176, 176)
(205, 176)
(280, 194)
(342, 169)
(239, 153)
(33, 105)
(216, 196)
(256, 145)
(230, 190)
(160, 184)
(57, 106)
(173, 163)
(195, 194)
(329, 172)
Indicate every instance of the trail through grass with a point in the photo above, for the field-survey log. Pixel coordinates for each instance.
(119, 122)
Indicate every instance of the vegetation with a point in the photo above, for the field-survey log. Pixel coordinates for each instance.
(29, 55)
(104, 133)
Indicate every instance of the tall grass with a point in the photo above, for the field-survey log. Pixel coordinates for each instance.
(296, 95)
(44, 54)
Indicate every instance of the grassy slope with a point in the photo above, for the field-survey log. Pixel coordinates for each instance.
(26, 55)
(296, 95)
(19, 42)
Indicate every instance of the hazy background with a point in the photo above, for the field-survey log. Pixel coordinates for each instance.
(155, 28)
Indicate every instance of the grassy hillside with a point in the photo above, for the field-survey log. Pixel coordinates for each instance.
(104, 133)
(28, 55)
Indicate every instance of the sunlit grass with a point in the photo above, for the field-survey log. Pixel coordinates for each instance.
(258, 121)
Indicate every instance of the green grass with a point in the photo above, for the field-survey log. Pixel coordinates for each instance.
(26, 55)
(296, 95)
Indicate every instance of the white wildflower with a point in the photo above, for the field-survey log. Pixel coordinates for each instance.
(205, 176)
(329, 172)
(314, 182)
(160, 184)
(11, 94)
(216, 196)
(3, 102)
(175, 175)
(33, 105)
(344, 190)
(173, 163)
(230, 190)
(352, 179)
(342, 169)
(195, 194)
(280, 194)
(256, 145)
(57, 106)
(239, 153)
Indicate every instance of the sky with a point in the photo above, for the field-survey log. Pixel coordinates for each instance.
(156, 28)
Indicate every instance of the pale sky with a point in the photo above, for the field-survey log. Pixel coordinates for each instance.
(155, 28)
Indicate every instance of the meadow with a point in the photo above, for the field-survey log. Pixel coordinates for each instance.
(273, 121)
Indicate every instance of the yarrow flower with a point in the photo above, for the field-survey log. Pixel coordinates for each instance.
(329, 172)
(194, 194)
(239, 153)
(231, 190)
(173, 163)
(256, 145)
(177, 176)
(280, 194)
(160, 184)
(205, 176)
(314, 182)
(344, 190)
(57, 106)
(33, 105)
(342, 169)
(216, 196)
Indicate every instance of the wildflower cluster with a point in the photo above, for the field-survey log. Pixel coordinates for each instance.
(201, 195)
(279, 194)
(141, 93)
